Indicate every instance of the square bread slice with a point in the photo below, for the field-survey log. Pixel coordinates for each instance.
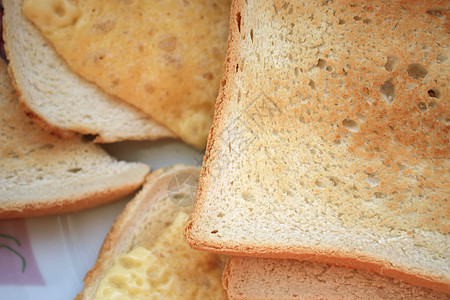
(252, 278)
(41, 174)
(58, 99)
(330, 138)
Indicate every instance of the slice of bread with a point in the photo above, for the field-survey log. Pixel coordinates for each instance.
(253, 278)
(148, 225)
(330, 138)
(42, 174)
(58, 99)
(163, 57)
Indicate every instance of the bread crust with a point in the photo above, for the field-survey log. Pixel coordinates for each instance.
(235, 248)
(43, 174)
(58, 206)
(245, 278)
(150, 205)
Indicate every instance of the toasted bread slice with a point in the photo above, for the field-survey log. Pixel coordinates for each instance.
(163, 57)
(253, 278)
(42, 174)
(149, 232)
(58, 99)
(330, 138)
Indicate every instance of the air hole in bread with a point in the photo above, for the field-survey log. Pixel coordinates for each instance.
(378, 195)
(387, 90)
(319, 184)
(238, 20)
(422, 106)
(247, 196)
(416, 71)
(74, 170)
(440, 58)
(341, 22)
(296, 71)
(391, 62)
(59, 10)
(312, 84)
(436, 12)
(357, 18)
(372, 180)
(215, 231)
(334, 181)
(351, 125)
(321, 63)
(434, 93)
(87, 138)
(251, 34)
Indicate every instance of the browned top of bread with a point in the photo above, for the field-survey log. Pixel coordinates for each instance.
(330, 138)
(163, 57)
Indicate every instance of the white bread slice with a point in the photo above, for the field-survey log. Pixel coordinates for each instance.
(58, 99)
(253, 278)
(42, 174)
(330, 138)
(154, 208)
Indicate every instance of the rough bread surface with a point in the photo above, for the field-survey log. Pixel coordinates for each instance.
(42, 174)
(163, 57)
(253, 278)
(330, 138)
(58, 99)
(166, 195)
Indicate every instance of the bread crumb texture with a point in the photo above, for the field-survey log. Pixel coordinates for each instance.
(256, 278)
(164, 57)
(25, 149)
(169, 269)
(41, 173)
(333, 131)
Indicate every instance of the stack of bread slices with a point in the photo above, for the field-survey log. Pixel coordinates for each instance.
(325, 174)
(327, 166)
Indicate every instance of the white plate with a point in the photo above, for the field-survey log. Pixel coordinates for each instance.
(48, 257)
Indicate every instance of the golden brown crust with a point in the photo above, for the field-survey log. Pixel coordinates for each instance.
(355, 261)
(63, 206)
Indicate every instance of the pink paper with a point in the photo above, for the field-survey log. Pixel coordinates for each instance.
(17, 263)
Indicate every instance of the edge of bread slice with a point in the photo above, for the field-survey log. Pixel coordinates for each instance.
(41, 174)
(252, 278)
(329, 140)
(58, 99)
(165, 194)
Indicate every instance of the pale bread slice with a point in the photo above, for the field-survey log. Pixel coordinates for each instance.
(58, 99)
(163, 57)
(330, 138)
(250, 278)
(42, 174)
(141, 223)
